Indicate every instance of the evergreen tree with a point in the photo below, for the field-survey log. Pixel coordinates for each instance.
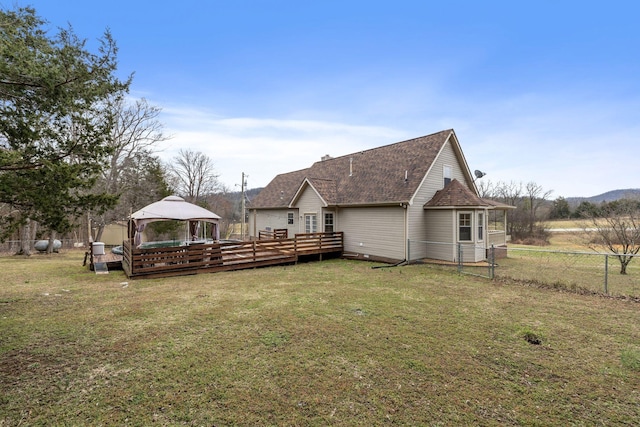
(560, 209)
(587, 210)
(52, 133)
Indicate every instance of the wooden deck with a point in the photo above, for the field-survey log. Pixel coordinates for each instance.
(211, 258)
(110, 260)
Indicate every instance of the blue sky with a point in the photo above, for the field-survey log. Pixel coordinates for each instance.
(544, 91)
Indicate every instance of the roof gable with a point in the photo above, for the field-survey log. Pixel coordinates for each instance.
(280, 191)
(385, 175)
(324, 188)
(455, 194)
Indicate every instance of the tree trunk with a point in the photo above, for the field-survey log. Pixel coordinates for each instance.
(25, 239)
(89, 237)
(623, 264)
(52, 238)
(99, 231)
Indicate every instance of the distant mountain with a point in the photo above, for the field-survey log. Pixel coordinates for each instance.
(609, 196)
(236, 196)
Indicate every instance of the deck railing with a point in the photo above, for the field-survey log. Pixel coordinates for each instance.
(214, 257)
(278, 233)
(496, 238)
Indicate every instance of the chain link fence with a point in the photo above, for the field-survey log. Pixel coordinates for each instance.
(10, 247)
(585, 272)
(454, 255)
(574, 271)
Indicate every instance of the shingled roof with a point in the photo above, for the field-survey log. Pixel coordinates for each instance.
(454, 194)
(383, 175)
(457, 195)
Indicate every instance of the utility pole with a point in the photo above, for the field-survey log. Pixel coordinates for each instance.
(244, 185)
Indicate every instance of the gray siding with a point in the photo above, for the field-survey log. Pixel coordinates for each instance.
(434, 180)
(439, 238)
(309, 203)
(374, 231)
(272, 219)
(472, 252)
(442, 237)
(434, 226)
(418, 225)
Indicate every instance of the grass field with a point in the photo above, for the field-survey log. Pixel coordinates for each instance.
(568, 223)
(569, 263)
(324, 343)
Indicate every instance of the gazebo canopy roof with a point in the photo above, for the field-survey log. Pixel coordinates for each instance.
(173, 208)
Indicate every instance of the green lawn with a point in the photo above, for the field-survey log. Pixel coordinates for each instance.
(324, 343)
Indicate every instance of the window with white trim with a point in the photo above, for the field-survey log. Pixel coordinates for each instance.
(480, 226)
(290, 218)
(328, 222)
(464, 227)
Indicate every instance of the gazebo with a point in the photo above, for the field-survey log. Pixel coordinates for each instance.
(177, 209)
(196, 255)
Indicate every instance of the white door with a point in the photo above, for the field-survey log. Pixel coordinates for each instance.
(310, 223)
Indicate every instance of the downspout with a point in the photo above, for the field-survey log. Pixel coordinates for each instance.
(506, 228)
(406, 231)
(404, 261)
(485, 228)
(255, 221)
(454, 233)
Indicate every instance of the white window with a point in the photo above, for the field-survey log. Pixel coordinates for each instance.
(464, 227)
(290, 218)
(480, 226)
(328, 222)
(310, 223)
(446, 173)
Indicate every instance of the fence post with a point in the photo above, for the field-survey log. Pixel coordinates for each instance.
(459, 257)
(492, 262)
(606, 274)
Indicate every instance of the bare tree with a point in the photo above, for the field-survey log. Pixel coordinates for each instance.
(221, 204)
(510, 193)
(523, 222)
(136, 129)
(193, 175)
(617, 229)
(535, 197)
(486, 189)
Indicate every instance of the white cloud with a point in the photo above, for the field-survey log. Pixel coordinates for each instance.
(576, 147)
(263, 148)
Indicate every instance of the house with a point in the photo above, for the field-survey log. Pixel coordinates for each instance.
(410, 200)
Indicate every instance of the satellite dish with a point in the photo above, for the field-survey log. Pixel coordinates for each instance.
(478, 174)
